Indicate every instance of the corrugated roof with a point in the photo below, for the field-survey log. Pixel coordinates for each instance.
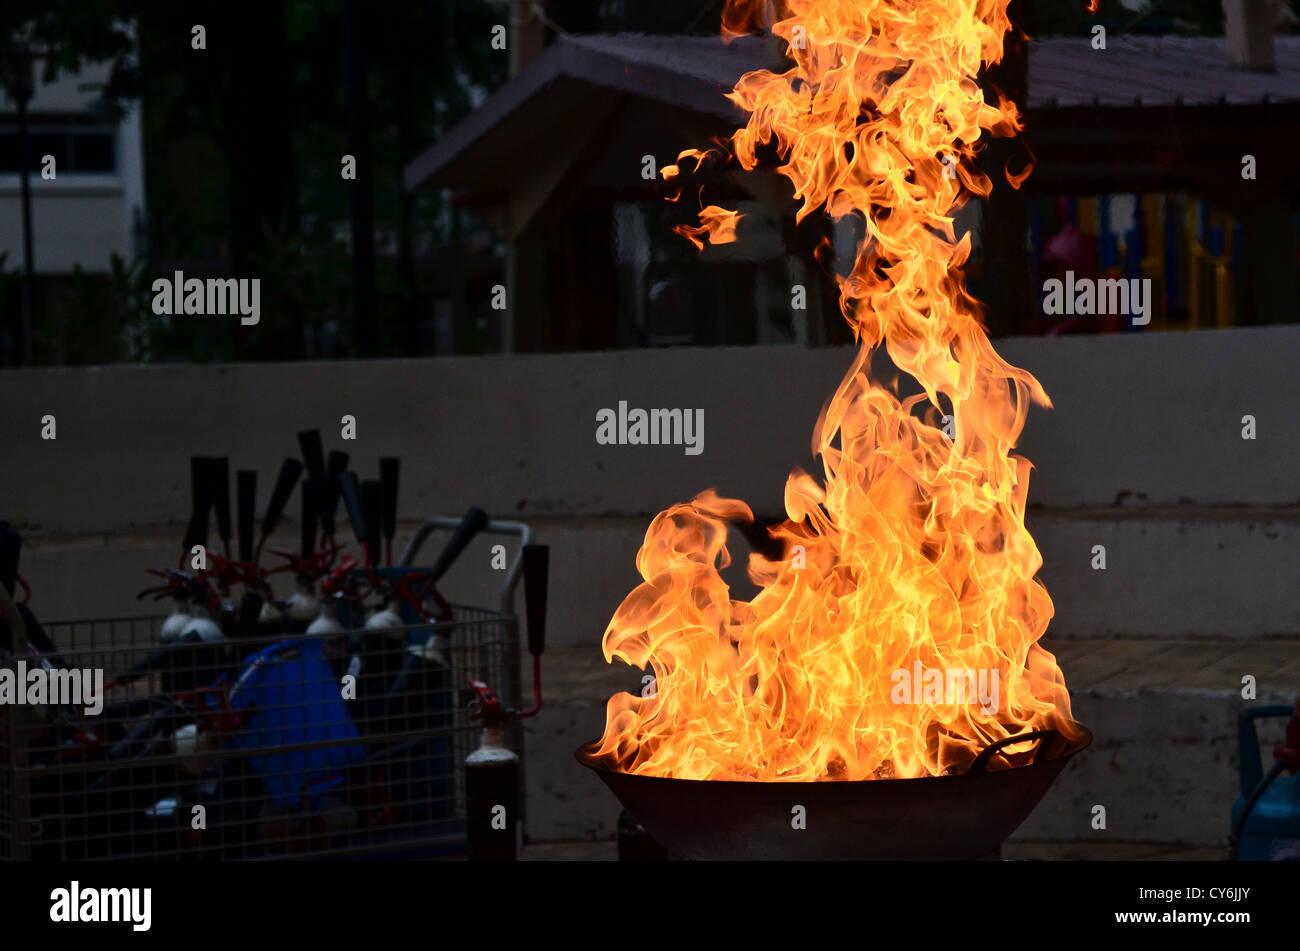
(1063, 71)
(696, 72)
(1154, 71)
(704, 57)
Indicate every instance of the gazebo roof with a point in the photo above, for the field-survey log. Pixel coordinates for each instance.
(554, 98)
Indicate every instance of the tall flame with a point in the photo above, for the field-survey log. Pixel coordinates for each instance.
(912, 557)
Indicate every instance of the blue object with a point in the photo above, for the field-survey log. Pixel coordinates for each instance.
(1272, 832)
(1215, 243)
(1107, 244)
(297, 700)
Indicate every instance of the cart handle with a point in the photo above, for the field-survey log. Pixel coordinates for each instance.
(493, 527)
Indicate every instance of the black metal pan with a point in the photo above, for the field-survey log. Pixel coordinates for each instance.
(964, 816)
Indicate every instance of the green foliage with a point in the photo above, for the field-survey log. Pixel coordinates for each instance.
(96, 318)
(306, 297)
(71, 32)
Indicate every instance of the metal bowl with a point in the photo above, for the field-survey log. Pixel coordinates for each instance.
(965, 816)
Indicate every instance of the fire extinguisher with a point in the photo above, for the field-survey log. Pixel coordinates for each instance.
(492, 788)
(336, 590)
(1266, 818)
(176, 588)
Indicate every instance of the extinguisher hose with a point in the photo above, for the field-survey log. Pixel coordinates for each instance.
(537, 689)
(1260, 789)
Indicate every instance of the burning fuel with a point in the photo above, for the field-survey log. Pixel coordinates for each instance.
(914, 551)
(949, 687)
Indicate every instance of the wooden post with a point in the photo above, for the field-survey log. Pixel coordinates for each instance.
(527, 37)
(1249, 25)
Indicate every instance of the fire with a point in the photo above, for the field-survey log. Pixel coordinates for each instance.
(911, 555)
(719, 224)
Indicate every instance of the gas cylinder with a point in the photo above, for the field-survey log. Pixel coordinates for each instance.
(189, 741)
(201, 626)
(175, 623)
(385, 619)
(492, 800)
(303, 607)
(491, 788)
(195, 659)
(1266, 817)
(270, 613)
(432, 651)
(327, 618)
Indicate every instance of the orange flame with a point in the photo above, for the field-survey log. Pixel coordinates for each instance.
(912, 558)
(717, 224)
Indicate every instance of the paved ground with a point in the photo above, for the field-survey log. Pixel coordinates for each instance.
(1151, 663)
(1021, 851)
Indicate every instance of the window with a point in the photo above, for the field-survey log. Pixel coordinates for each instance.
(76, 148)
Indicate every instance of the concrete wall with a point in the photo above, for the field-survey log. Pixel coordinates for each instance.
(1142, 453)
(1153, 418)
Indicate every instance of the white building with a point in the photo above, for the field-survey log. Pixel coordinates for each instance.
(94, 206)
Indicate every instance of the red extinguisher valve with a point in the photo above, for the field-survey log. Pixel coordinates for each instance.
(316, 565)
(486, 706)
(336, 582)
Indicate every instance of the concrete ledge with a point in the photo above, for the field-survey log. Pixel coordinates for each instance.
(1190, 573)
(1141, 415)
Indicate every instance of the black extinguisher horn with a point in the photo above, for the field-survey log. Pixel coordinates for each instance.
(313, 458)
(351, 494)
(219, 474)
(201, 495)
(372, 505)
(389, 468)
(309, 500)
(337, 465)
(246, 502)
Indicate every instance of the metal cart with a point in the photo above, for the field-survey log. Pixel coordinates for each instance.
(270, 747)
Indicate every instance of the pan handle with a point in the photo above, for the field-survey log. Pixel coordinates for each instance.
(982, 761)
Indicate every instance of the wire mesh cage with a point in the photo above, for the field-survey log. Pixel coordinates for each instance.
(263, 747)
(259, 744)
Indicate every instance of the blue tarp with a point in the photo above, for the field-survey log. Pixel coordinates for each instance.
(297, 700)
